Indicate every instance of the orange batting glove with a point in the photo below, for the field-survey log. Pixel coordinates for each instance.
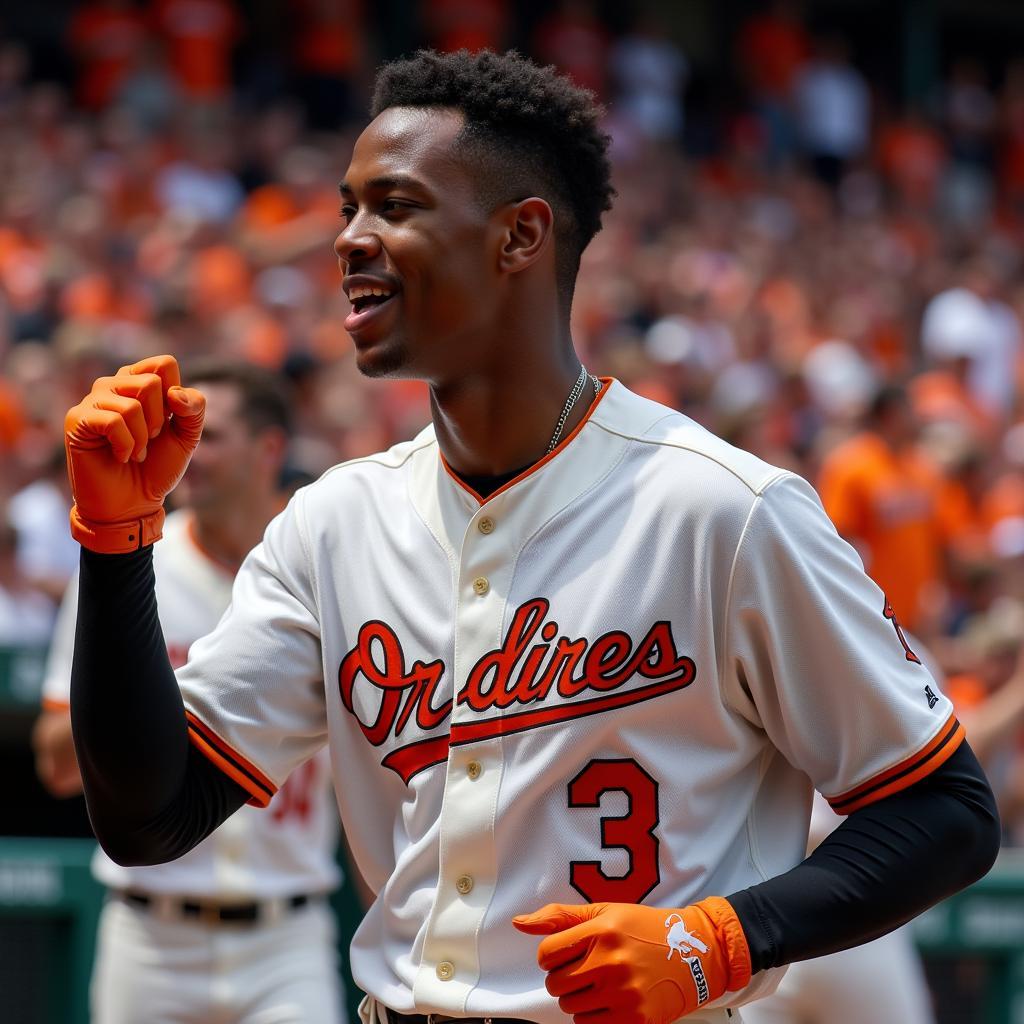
(128, 443)
(619, 963)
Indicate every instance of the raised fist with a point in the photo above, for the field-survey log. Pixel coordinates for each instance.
(128, 443)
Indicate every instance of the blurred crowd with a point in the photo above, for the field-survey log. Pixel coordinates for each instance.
(819, 272)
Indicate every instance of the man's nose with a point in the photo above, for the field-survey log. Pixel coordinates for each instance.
(355, 242)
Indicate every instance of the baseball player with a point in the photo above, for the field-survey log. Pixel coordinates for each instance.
(237, 930)
(579, 663)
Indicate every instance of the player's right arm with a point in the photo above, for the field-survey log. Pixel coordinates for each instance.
(151, 795)
(52, 741)
(54, 749)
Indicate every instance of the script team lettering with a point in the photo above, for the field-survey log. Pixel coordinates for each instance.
(533, 662)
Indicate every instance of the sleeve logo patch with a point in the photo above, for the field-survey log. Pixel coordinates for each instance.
(888, 612)
(930, 695)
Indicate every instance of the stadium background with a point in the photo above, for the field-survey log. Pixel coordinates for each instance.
(820, 203)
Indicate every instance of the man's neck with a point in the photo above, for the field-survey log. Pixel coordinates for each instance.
(227, 535)
(487, 425)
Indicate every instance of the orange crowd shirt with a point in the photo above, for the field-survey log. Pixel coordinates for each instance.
(886, 505)
(472, 25)
(200, 36)
(105, 39)
(912, 156)
(771, 51)
(327, 35)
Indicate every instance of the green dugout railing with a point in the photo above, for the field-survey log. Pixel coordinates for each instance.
(21, 680)
(985, 921)
(46, 879)
(21, 676)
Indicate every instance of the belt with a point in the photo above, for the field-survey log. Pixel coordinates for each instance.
(394, 1017)
(210, 912)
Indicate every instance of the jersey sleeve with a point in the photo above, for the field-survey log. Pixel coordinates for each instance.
(815, 657)
(56, 691)
(253, 688)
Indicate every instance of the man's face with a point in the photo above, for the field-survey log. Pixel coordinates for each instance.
(415, 229)
(226, 465)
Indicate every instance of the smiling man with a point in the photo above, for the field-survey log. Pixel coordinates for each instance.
(579, 662)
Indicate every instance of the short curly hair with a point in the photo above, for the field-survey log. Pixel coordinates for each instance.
(528, 129)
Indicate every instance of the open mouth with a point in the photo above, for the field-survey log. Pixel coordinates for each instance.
(363, 298)
(366, 300)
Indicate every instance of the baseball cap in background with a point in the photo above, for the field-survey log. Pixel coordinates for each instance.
(839, 379)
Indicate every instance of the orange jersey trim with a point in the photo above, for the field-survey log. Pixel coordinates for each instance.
(904, 774)
(53, 704)
(607, 381)
(229, 761)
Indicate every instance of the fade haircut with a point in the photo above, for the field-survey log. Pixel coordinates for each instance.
(263, 400)
(528, 130)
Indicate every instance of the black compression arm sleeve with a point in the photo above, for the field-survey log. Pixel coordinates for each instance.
(883, 865)
(151, 795)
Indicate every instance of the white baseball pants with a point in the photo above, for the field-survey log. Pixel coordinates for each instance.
(153, 971)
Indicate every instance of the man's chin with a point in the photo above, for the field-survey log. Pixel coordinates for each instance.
(383, 360)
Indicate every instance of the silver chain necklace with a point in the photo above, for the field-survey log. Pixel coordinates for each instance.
(577, 390)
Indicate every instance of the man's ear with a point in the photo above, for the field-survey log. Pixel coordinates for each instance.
(528, 231)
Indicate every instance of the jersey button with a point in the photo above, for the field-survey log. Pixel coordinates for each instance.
(481, 585)
(486, 525)
(464, 883)
(445, 970)
(474, 770)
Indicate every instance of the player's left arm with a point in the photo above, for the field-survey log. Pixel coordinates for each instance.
(885, 864)
(830, 680)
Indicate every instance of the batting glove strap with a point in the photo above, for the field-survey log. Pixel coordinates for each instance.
(726, 926)
(117, 538)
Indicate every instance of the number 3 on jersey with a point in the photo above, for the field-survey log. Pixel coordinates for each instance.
(632, 831)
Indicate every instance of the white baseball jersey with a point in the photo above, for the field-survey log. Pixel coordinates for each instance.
(618, 678)
(254, 855)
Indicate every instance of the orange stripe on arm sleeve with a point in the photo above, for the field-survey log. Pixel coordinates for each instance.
(885, 863)
(910, 770)
(260, 789)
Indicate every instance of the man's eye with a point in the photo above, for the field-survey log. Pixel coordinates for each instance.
(347, 213)
(393, 206)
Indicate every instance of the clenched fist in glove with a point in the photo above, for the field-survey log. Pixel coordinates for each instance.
(128, 443)
(618, 963)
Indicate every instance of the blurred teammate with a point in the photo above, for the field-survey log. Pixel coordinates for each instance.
(238, 930)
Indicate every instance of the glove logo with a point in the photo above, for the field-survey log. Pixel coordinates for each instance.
(680, 940)
(683, 942)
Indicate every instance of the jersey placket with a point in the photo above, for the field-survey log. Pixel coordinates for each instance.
(450, 964)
